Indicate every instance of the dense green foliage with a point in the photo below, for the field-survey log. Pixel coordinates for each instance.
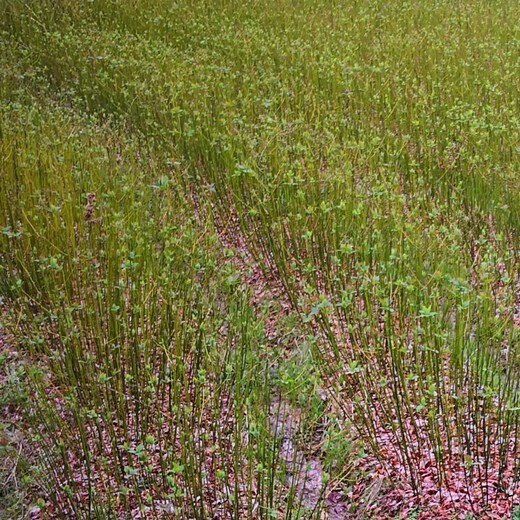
(368, 153)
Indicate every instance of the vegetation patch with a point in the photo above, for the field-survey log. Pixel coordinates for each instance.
(259, 259)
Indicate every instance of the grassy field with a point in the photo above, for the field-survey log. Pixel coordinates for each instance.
(259, 259)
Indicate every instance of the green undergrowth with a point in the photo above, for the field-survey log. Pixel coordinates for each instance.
(368, 153)
(147, 369)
